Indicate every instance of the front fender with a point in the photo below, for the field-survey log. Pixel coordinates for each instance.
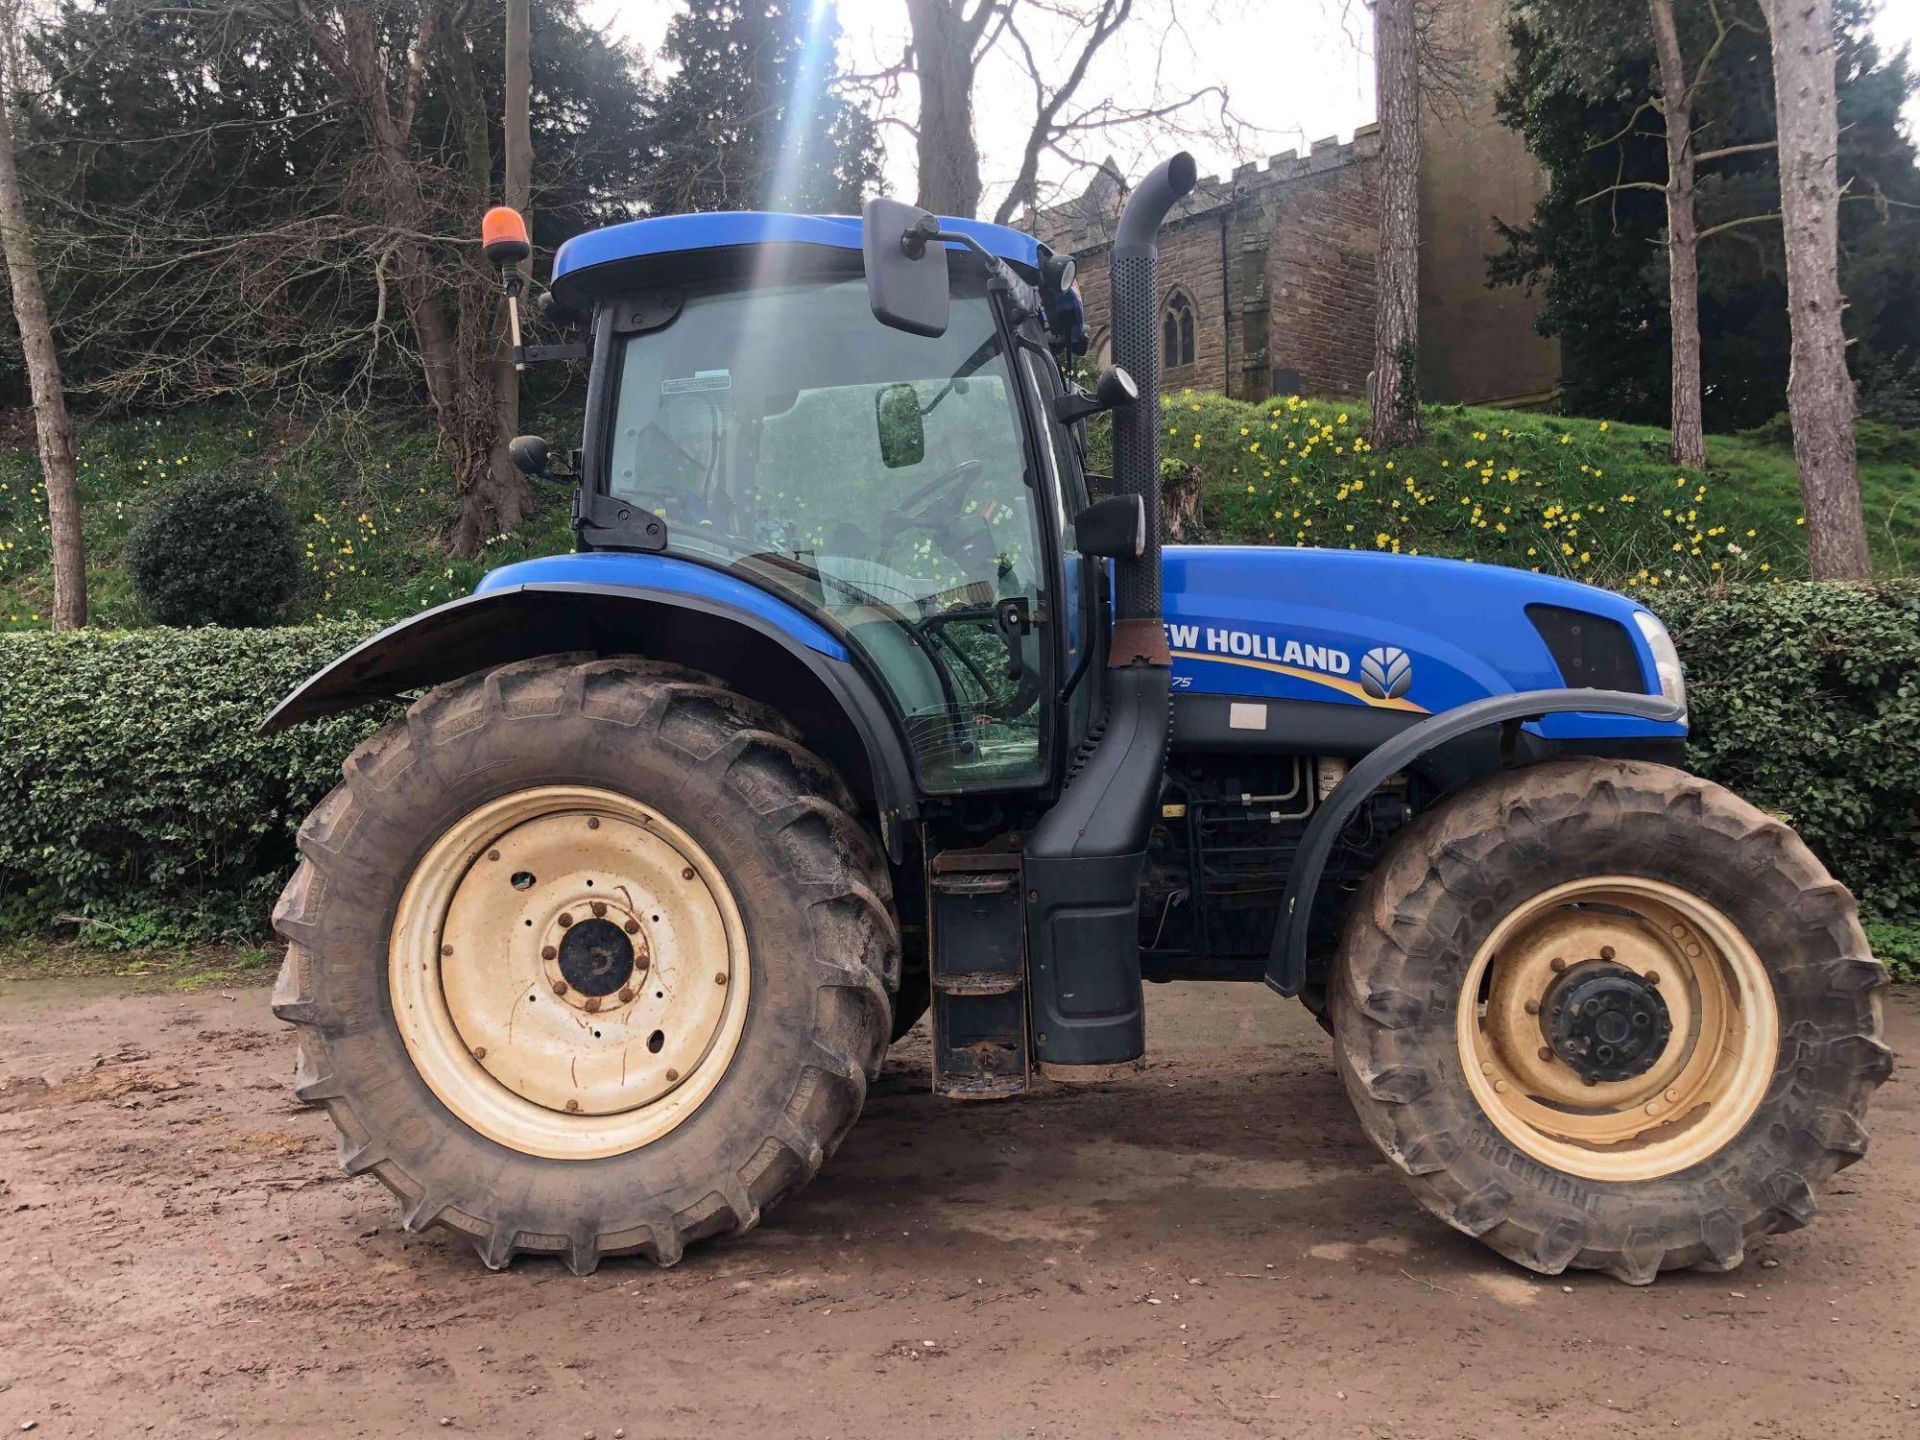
(1287, 957)
(789, 662)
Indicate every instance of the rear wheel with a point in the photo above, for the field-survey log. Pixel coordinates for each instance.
(587, 957)
(1607, 1015)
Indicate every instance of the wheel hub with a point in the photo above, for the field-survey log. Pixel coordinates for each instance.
(599, 962)
(1605, 1021)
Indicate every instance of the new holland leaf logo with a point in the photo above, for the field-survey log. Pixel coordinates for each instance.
(1386, 672)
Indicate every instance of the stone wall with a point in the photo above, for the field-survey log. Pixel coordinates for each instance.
(1277, 262)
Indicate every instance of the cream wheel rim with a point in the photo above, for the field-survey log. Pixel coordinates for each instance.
(569, 972)
(1698, 1089)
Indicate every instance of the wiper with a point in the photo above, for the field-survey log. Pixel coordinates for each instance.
(986, 350)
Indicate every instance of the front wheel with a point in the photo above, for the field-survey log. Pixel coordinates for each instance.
(1606, 1015)
(587, 957)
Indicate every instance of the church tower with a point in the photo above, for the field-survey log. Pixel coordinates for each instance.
(1476, 345)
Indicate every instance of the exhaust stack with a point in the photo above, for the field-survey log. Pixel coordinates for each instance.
(1134, 273)
(1082, 861)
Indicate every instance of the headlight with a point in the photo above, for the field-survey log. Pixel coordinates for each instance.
(1666, 659)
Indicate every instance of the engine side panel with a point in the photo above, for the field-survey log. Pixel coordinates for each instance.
(1390, 638)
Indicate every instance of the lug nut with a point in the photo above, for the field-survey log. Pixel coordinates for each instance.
(1533, 1007)
(599, 907)
(1546, 1052)
(1653, 977)
(721, 978)
(591, 1003)
(593, 822)
(642, 963)
(559, 987)
(1606, 952)
(479, 1052)
(547, 952)
(686, 873)
(1558, 964)
(626, 994)
(633, 927)
(446, 949)
(565, 919)
(493, 854)
(673, 1074)
(573, 1107)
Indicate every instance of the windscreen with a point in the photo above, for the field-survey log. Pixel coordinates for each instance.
(876, 477)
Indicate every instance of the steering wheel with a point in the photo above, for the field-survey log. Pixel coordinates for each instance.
(936, 505)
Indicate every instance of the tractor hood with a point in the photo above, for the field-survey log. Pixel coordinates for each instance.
(1398, 633)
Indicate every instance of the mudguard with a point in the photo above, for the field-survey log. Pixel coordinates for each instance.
(787, 659)
(1287, 957)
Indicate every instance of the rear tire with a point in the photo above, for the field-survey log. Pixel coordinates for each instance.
(812, 954)
(1433, 1010)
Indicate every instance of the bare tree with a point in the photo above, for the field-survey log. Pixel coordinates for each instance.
(1396, 326)
(1052, 45)
(449, 307)
(52, 425)
(518, 193)
(1820, 398)
(1601, 30)
(1675, 105)
(949, 39)
(1683, 261)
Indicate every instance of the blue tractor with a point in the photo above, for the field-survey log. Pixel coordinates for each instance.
(860, 698)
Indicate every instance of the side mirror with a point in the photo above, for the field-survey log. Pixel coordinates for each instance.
(906, 270)
(530, 456)
(1115, 388)
(1112, 529)
(903, 433)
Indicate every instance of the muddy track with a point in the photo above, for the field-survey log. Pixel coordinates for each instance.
(1207, 1248)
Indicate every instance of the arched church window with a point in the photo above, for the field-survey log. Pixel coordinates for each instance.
(1176, 331)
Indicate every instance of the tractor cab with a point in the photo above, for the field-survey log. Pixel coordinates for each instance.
(913, 492)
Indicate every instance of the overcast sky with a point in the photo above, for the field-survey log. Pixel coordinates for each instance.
(1296, 70)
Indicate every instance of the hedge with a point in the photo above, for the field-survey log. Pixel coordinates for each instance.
(1805, 698)
(135, 797)
(136, 800)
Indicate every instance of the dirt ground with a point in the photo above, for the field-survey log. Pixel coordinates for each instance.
(1207, 1248)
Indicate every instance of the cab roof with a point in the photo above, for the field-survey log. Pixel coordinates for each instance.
(670, 247)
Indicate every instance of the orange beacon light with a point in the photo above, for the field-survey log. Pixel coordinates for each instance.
(503, 237)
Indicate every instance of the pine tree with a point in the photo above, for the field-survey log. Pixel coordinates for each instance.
(751, 120)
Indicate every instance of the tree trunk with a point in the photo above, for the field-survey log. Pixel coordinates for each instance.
(518, 192)
(52, 424)
(1820, 399)
(1683, 245)
(943, 63)
(1396, 327)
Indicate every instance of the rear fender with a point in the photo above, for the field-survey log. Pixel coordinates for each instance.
(798, 668)
(1287, 958)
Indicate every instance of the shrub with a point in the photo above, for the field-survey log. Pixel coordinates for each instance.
(215, 552)
(134, 793)
(1805, 699)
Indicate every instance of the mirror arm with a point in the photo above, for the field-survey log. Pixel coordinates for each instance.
(1000, 275)
(1076, 404)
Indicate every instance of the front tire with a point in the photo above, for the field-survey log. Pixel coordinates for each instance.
(587, 957)
(1606, 1015)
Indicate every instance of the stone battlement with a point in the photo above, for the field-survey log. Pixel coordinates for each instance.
(1086, 222)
